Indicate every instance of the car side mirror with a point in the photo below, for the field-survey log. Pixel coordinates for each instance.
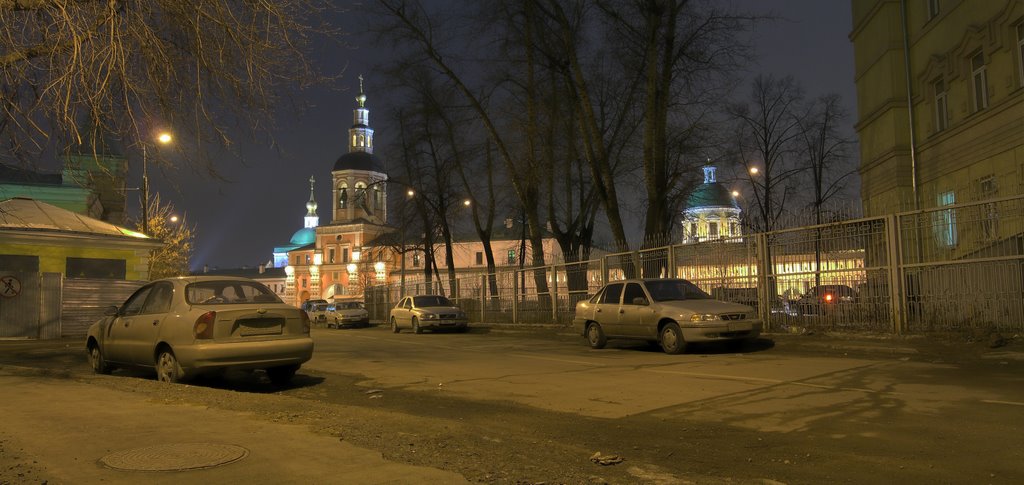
(640, 300)
(110, 311)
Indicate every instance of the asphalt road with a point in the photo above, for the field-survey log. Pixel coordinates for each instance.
(499, 406)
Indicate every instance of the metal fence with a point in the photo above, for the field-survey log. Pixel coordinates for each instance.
(936, 270)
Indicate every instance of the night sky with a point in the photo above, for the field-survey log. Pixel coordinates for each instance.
(239, 222)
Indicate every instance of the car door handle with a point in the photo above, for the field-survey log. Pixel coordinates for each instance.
(156, 322)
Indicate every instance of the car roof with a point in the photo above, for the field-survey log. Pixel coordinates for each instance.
(199, 279)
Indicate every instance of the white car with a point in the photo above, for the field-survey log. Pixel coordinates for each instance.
(427, 312)
(186, 326)
(672, 312)
(347, 314)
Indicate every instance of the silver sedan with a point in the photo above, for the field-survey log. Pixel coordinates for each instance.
(671, 312)
(186, 326)
(427, 312)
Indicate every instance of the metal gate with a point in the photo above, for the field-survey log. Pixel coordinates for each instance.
(19, 304)
(85, 299)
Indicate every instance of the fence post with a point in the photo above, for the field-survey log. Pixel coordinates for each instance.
(554, 294)
(896, 300)
(483, 295)
(515, 296)
(670, 270)
(604, 270)
(764, 299)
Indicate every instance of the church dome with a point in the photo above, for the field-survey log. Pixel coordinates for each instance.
(709, 195)
(359, 161)
(304, 236)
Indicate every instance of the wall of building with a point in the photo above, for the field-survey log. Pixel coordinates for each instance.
(53, 257)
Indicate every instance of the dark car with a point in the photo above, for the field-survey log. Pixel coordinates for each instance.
(822, 299)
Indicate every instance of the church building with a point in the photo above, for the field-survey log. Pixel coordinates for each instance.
(325, 260)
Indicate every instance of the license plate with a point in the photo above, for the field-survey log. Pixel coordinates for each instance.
(249, 331)
(739, 327)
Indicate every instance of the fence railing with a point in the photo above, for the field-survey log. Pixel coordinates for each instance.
(933, 270)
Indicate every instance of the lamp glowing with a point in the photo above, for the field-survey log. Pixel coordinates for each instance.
(164, 138)
(351, 268)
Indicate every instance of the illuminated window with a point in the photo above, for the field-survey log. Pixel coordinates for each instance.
(362, 140)
(511, 256)
(945, 221)
(343, 196)
(307, 259)
(979, 81)
(941, 111)
(693, 230)
(353, 140)
(416, 260)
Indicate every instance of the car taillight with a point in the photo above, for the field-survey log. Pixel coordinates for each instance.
(305, 323)
(828, 297)
(204, 325)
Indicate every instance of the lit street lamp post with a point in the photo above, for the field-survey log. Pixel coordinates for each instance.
(163, 138)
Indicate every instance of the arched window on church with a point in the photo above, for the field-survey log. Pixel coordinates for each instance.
(362, 141)
(361, 195)
(378, 198)
(353, 140)
(343, 196)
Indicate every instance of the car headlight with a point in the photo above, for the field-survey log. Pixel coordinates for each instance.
(703, 317)
(429, 316)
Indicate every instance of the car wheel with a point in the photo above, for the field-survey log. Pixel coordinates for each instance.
(416, 326)
(282, 375)
(394, 325)
(167, 367)
(98, 362)
(672, 339)
(595, 336)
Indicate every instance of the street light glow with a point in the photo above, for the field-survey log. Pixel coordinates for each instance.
(466, 202)
(164, 138)
(410, 192)
(735, 193)
(174, 218)
(754, 170)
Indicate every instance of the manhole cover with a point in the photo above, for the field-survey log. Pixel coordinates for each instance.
(174, 457)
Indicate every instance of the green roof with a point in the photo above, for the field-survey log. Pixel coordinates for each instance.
(711, 194)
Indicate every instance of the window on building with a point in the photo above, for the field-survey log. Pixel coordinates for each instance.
(343, 196)
(114, 269)
(297, 261)
(734, 229)
(307, 259)
(344, 255)
(479, 258)
(987, 189)
(378, 198)
(941, 111)
(933, 8)
(416, 260)
(979, 81)
(511, 256)
(360, 195)
(1020, 53)
(303, 282)
(945, 221)
(330, 255)
(712, 230)
(693, 230)
(334, 276)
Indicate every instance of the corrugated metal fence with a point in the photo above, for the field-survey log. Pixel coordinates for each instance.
(48, 306)
(935, 270)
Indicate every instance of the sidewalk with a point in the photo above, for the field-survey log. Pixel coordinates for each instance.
(64, 430)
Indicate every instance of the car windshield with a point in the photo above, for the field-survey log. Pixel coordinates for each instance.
(350, 306)
(427, 301)
(668, 290)
(228, 292)
(320, 307)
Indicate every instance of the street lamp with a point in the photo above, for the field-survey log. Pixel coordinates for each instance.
(162, 138)
(754, 170)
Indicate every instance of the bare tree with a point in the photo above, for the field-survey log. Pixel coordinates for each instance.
(825, 151)
(769, 129)
(203, 67)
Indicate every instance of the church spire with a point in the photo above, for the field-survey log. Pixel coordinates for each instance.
(312, 220)
(360, 136)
